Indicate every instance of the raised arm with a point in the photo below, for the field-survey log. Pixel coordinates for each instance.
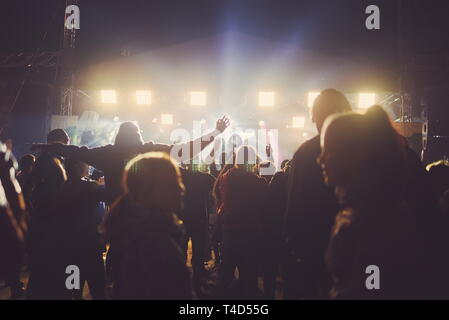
(186, 151)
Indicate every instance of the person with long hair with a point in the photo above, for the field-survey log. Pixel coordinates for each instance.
(367, 163)
(145, 233)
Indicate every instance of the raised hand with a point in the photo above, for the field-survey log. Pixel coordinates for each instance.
(268, 150)
(222, 124)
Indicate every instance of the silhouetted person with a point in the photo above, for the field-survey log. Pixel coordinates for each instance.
(58, 136)
(47, 269)
(368, 164)
(195, 215)
(111, 159)
(217, 230)
(78, 221)
(311, 210)
(274, 249)
(26, 165)
(242, 200)
(13, 226)
(145, 233)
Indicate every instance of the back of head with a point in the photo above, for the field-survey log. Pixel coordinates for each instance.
(154, 181)
(330, 101)
(363, 152)
(284, 164)
(49, 169)
(128, 134)
(26, 163)
(48, 177)
(58, 136)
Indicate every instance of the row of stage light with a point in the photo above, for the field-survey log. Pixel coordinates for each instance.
(297, 122)
(199, 98)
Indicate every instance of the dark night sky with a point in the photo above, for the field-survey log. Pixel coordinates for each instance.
(333, 27)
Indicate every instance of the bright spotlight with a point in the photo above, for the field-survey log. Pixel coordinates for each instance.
(108, 96)
(143, 97)
(167, 119)
(298, 122)
(261, 123)
(311, 98)
(266, 99)
(366, 100)
(198, 98)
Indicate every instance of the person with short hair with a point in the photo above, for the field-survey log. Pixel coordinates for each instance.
(311, 209)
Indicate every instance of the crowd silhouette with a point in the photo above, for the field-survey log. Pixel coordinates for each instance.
(353, 198)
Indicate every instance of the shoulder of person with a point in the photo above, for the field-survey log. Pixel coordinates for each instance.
(308, 146)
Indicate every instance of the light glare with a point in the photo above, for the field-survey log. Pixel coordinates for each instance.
(198, 98)
(366, 100)
(298, 122)
(311, 98)
(266, 99)
(167, 119)
(143, 97)
(108, 96)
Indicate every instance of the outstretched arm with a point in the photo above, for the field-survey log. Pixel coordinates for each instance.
(186, 151)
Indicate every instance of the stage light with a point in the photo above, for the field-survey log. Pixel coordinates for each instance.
(266, 99)
(261, 123)
(366, 100)
(298, 122)
(108, 96)
(198, 98)
(143, 97)
(167, 119)
(311, 98)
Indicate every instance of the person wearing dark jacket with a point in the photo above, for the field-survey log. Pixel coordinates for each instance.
(47, 266)
(272, 231)
(195, 215)
(311, 209)
(111, 159)
(242, 201)
(145, 233)
(78, 223)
